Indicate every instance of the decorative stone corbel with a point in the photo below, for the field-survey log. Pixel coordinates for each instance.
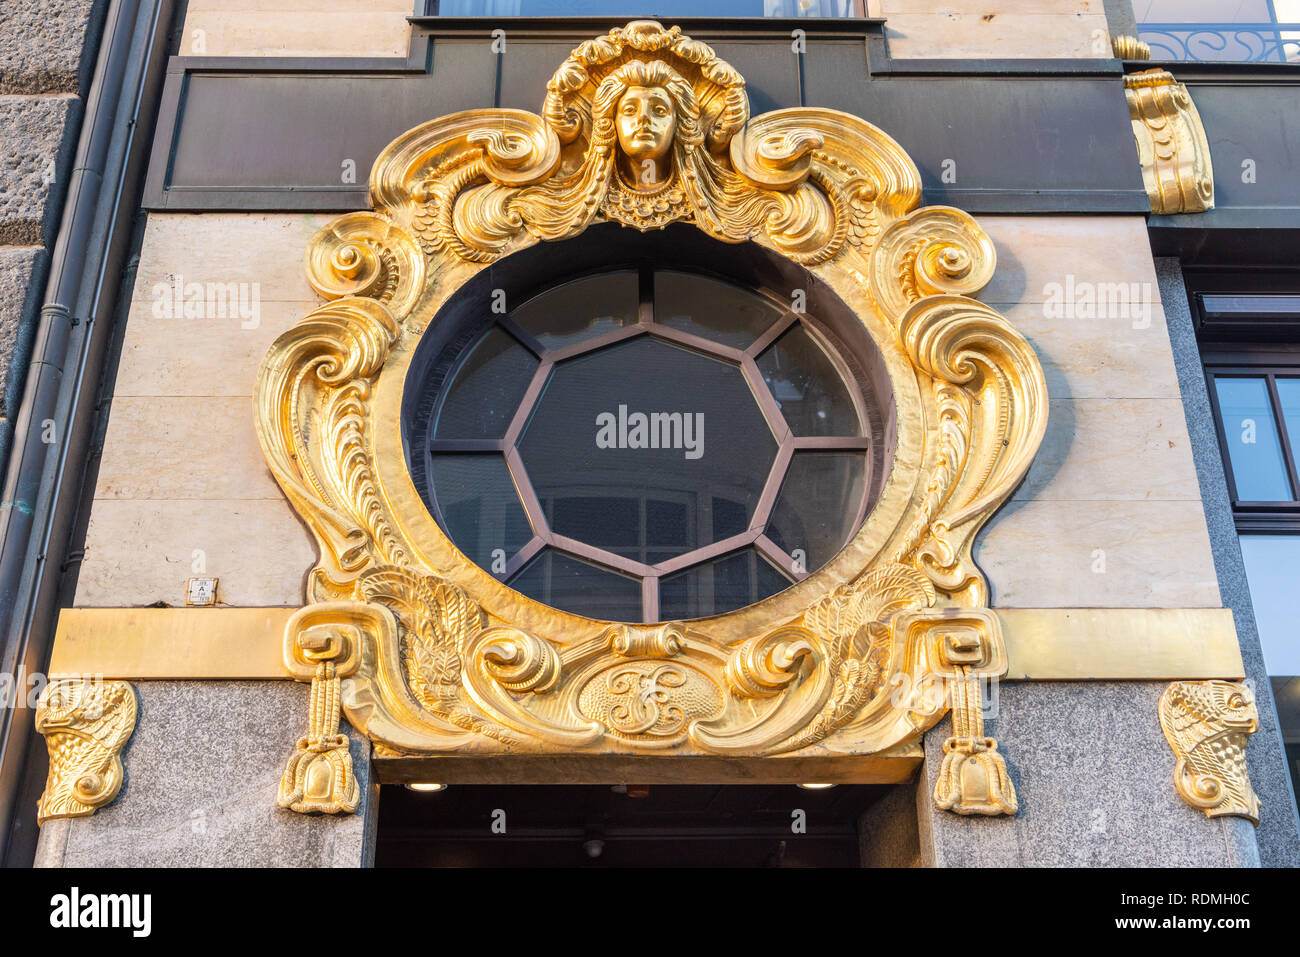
(1208, 724)
(86, 724)
(1171, 143)
(322, 644)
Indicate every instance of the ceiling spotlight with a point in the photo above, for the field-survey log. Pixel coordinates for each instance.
(426, 786)
(816, 787)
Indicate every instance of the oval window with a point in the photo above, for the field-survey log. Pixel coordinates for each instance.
(645, 443)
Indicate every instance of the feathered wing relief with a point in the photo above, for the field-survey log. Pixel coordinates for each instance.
(1208, 724)
(646, 127)
(86, 724)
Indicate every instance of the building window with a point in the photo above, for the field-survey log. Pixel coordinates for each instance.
(1259, 415)
(1249, 31)
(648, 443)
(1250, 343)
(666, 10)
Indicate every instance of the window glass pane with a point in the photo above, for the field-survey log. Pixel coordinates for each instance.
(485, 391)
(1264, 31)
(631, 10)
(1272, 568)
(714, 310)
(647, 447)
(1227, 305)
(582, 309)
(1251, 436)
(818, 504)
(641, 452)
(719, 586)
(1286, 696)
(1288, 393)
(564, 582)
(808, 388)
(479, 506)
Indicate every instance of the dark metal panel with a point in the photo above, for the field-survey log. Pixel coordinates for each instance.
(252, 140)
(1008, 144)
(1255, 123)
(526, 67)
(236, 137)
(1249, 115)
(770, 69)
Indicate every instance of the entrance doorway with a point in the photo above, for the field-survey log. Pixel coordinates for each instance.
(623, 826)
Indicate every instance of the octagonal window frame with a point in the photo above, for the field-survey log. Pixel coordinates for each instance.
(746, 360)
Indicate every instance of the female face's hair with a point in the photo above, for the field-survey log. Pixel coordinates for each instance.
(640, 73)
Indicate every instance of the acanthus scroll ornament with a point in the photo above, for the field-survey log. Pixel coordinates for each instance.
(645, 127)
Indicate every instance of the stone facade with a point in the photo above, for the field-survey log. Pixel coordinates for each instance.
(1117, 511)
(1003, 29)
(1109, 516)
(46, 63)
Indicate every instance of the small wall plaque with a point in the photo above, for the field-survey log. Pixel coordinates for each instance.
(201, 591)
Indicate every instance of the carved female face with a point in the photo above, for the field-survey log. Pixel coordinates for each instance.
(646, 123)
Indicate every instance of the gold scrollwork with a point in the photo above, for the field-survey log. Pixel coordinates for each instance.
(764, 665)
(322, 644)
(1172, 147)
(1208, 725)
(86, 724)
(450, 659)
(520, 662)
(364, 254)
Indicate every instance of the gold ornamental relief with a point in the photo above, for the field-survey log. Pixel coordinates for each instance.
(1172, 147)
(86, 724)
(645, 127)
(1208, 725)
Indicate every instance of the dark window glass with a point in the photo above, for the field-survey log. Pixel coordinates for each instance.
(817, 509)
(564, 582)
(485, 391)
(645, 452)
(807, 386)
(711, 309)
(1250, 433)
(479, 506)
(627, 9)
(601, 520)
(1286, 697)
(580, 310)
(719, 586)
(666, 431)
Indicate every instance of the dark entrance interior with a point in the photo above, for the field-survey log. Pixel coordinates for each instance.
(622, 826)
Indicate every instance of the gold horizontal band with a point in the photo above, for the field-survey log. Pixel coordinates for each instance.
(1043, 644)
(1098, 644)
(142, 644)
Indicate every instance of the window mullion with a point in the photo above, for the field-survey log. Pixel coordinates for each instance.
(1280, 424)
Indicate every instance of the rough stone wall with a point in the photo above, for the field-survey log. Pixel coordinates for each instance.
(46, 62)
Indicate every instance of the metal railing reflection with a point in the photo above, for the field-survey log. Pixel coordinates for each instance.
(1224, 42)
